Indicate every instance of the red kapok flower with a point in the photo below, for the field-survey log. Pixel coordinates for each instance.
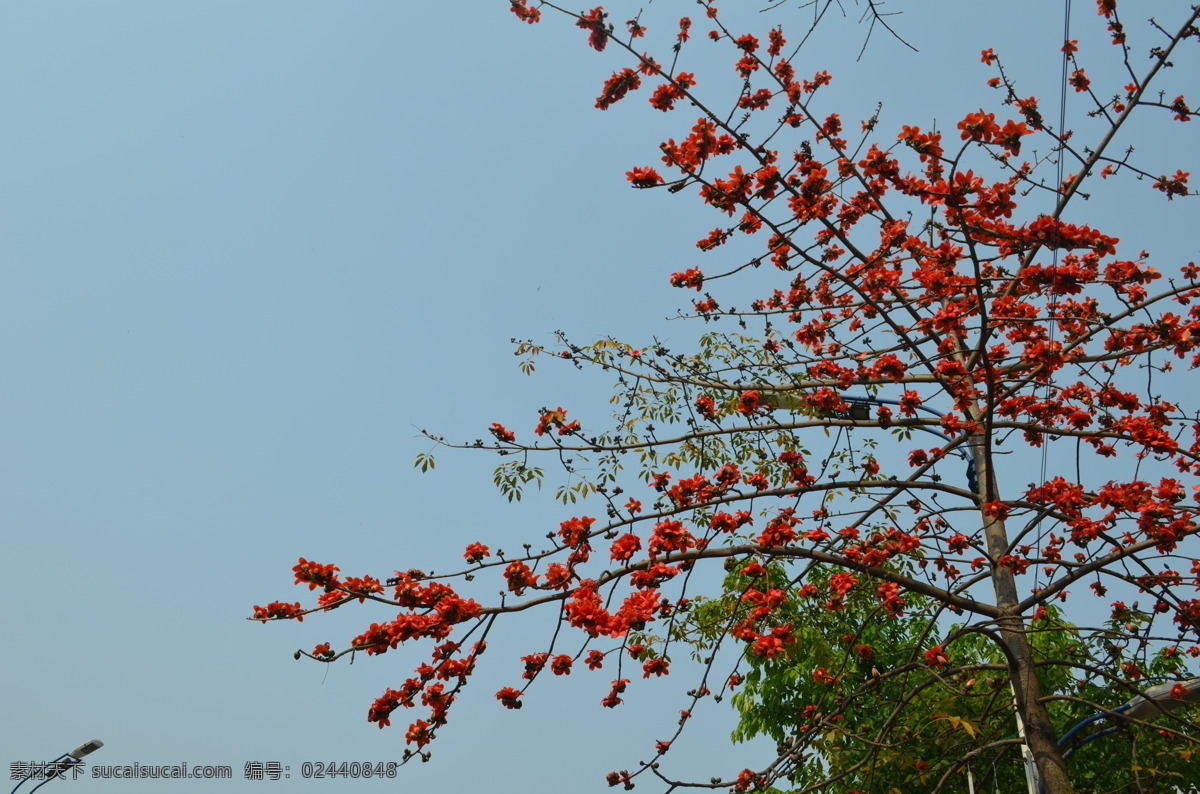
(692, 277)
(501, 432)
(524, 13)
(279, 610)
(624, 547)
(655, 667)
(616, 87)
(476, 552)
(644, 176)
(508, 696)
(593, 23)
(315, 574)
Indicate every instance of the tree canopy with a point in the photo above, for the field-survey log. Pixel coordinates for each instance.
(839, 501)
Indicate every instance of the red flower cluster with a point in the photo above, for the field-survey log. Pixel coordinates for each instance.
(706, 406)
(476, 552)
(519, 577)
(1174, 185)
(656, 667)
(669, 536)
(1180, 107)
(524, 12)
(509, 697)
(749, 403)
(555, 419)
(593, 23)
(501, 432)
(624, 547)
(699, 146)
(691, 278)
(730, 522)
(889, 596)
(316, 575)
(616, 87)
(780, 530)
(666, 95)
(278, 610)
(644, 177)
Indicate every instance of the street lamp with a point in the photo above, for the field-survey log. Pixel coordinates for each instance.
(1154, 702)
(55, 769)
(859, 410)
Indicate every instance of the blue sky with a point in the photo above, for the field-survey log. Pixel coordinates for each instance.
(246, 251)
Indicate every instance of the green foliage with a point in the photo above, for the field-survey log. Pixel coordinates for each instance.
(512, 477)
(853, 696)
(570, 494)
(910, 713)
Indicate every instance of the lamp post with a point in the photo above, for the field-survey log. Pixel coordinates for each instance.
(859, 410)
(1154, 702)
(55, 769)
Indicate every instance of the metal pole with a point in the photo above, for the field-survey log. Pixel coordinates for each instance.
(1031, 776)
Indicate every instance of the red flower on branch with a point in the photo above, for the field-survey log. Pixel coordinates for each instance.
(476, 552)
(644, 177)
(509, 697)
(593, 23)
(936, 656)
(501, 432)
(690, 278)
(524, 12)
(903, 273)
(616, 87)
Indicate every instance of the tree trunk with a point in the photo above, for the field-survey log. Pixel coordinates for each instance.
(1039, 731)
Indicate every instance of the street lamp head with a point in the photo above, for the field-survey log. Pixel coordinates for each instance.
(86, 748)
(1159, 699)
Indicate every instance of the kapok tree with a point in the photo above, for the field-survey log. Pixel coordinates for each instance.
(869, 435)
